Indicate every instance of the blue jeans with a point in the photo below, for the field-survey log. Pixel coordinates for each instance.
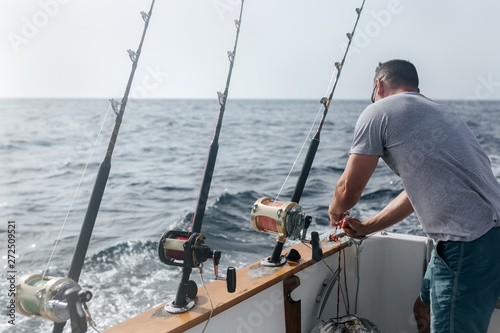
(462, 284)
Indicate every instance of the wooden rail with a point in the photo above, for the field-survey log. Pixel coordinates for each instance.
(251, 280)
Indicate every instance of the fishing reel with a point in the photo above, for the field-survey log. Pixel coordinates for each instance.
(287, 220)
(179, 248)
(54, 298)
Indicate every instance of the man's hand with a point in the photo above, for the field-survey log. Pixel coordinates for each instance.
(397, 210)
(353, 227)
(336, 218)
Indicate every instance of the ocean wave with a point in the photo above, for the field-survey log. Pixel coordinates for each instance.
(154, 180)
(380, 194)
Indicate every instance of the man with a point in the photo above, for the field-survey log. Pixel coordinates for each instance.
(448, 183)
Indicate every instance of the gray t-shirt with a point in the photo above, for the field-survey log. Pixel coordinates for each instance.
(445, 173)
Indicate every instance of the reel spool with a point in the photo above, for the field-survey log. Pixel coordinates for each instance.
(286, 219)
(178, 248)
(54, 298)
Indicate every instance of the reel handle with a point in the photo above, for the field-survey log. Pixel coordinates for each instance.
(317, 252)
(308, 220)
(230, 277)
(76, 313)
(216, 256)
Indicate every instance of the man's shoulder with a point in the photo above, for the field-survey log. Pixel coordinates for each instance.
(401, 103)
(405, 97)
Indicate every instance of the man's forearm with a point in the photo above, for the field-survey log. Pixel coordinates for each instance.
(342, 200)
(350, 186)
(396, 211)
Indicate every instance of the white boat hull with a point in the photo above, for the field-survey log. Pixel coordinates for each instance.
(390, 268)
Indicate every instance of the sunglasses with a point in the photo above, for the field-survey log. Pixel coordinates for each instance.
(375, 87)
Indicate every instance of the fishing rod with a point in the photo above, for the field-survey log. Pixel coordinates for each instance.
(313, 147)
(288, 219)
(214, 145)
(60, 299)
(188, 249)
(102, 176)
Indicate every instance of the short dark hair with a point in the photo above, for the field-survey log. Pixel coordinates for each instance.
(398, 73)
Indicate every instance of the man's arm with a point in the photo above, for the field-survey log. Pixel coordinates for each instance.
(351, 184)
(396, 211)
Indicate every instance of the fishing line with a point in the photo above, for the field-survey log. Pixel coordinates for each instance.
(62, 298)
(346, 305)
(339, 289)
(85, 235)
(308, 135)
(346, 289)
(135, 95)
(330, 84)
(90, 321)
(207, 152)
(184, 299)
(76, 192)
(208, 296)
(299, 154)
(357, 243)
(358, 251)
(325, 101)
(197, 219)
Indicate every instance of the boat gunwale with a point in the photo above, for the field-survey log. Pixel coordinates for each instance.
(157, 320)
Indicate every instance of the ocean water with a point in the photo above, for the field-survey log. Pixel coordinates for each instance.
(155, 175)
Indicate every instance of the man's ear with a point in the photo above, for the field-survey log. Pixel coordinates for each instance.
(382, 87)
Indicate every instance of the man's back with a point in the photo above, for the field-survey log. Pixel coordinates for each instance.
(445, 173)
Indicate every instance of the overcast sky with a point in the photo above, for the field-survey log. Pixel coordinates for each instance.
(287, 48)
